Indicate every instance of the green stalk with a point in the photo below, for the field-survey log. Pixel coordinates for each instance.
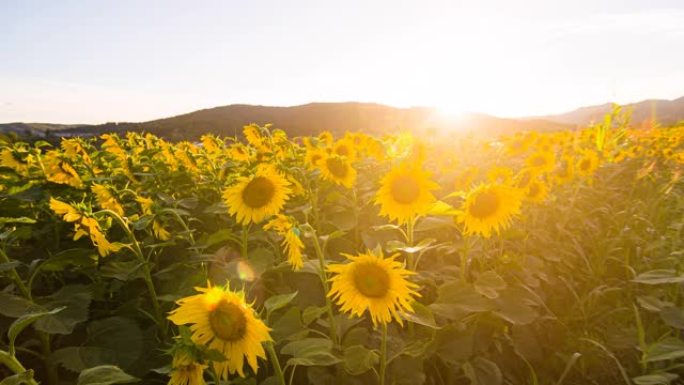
(15, 276)
(276, 363)
(324, 281)
(409, 242)
(383, 354)
(14, 365)
(147, 274)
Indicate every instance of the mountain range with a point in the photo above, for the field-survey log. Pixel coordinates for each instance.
(367, 117)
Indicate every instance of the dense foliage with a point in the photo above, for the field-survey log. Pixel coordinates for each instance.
(527, 259)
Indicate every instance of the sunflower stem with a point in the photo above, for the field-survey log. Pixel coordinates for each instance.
(15, 276)
(409, 241)
(324, 281)
(383, 354)
(276, 363)
(464, 257)
(14, 365)
(147, 274)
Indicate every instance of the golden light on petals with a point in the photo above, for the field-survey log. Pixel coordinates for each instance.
(374, 284)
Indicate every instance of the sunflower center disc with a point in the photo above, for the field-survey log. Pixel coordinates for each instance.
(486, 203)
(538, 161)
(405, 190)
(371, 280)
(342, 150)
(534, 190)
(228, 321)
(584, 165)
(258, 193)
(337, 167)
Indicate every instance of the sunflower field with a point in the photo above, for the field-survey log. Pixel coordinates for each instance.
(533, 258)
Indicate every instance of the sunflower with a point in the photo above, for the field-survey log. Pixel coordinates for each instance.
(337, 169)
(106, 200)
(292, 244)
(405, 193)
(541, 161)
(345, 147)
(499, 174)
(536, 191)
(221, 319)
(489, 207)
(587, 163)
(185, 370)
(313, 158)
(466, 179)
(256, 197)
(565, 171)
(374, 283)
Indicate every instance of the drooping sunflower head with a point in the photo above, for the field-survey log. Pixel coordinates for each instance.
(256, 197)
(489, 207)
(405, 192)
(220, 319)
(338, 169)
(185, 370)
(372, 283)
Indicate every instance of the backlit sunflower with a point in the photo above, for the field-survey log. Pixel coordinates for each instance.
(542, 161)
(565, 171)
(466, 178)
(254, 198)
(314, 157)
(500, 174)
(489, 207)
(345, 147)
(372, 283)
(536, 191)
(221, 319)
(338, 169)
(587, 163)
(405, 193)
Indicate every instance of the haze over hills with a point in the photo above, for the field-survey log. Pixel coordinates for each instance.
(340, 117)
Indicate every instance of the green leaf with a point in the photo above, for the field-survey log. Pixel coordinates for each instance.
(19, 378)
(9, 266)
(78, 358)
(21, 220)
(673, 316)
(456, 299)
(24, 321)
(358, 359)
(14, 306)
(489, 284)
(481, 371)
(76, 299)
(421, 315)
(454, 344)
(651, 303)
(659, 276)
(278, 302)
(121, 337)
(310, 352)
(312, 313)
(655, 379)
(667, 349)
(105, 375)
(75, 257)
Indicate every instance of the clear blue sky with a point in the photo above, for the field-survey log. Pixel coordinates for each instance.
(96, 61)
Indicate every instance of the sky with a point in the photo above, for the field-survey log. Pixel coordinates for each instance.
(103, 61)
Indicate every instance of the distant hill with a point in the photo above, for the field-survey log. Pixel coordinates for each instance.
(665, 112)
(373, 118)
